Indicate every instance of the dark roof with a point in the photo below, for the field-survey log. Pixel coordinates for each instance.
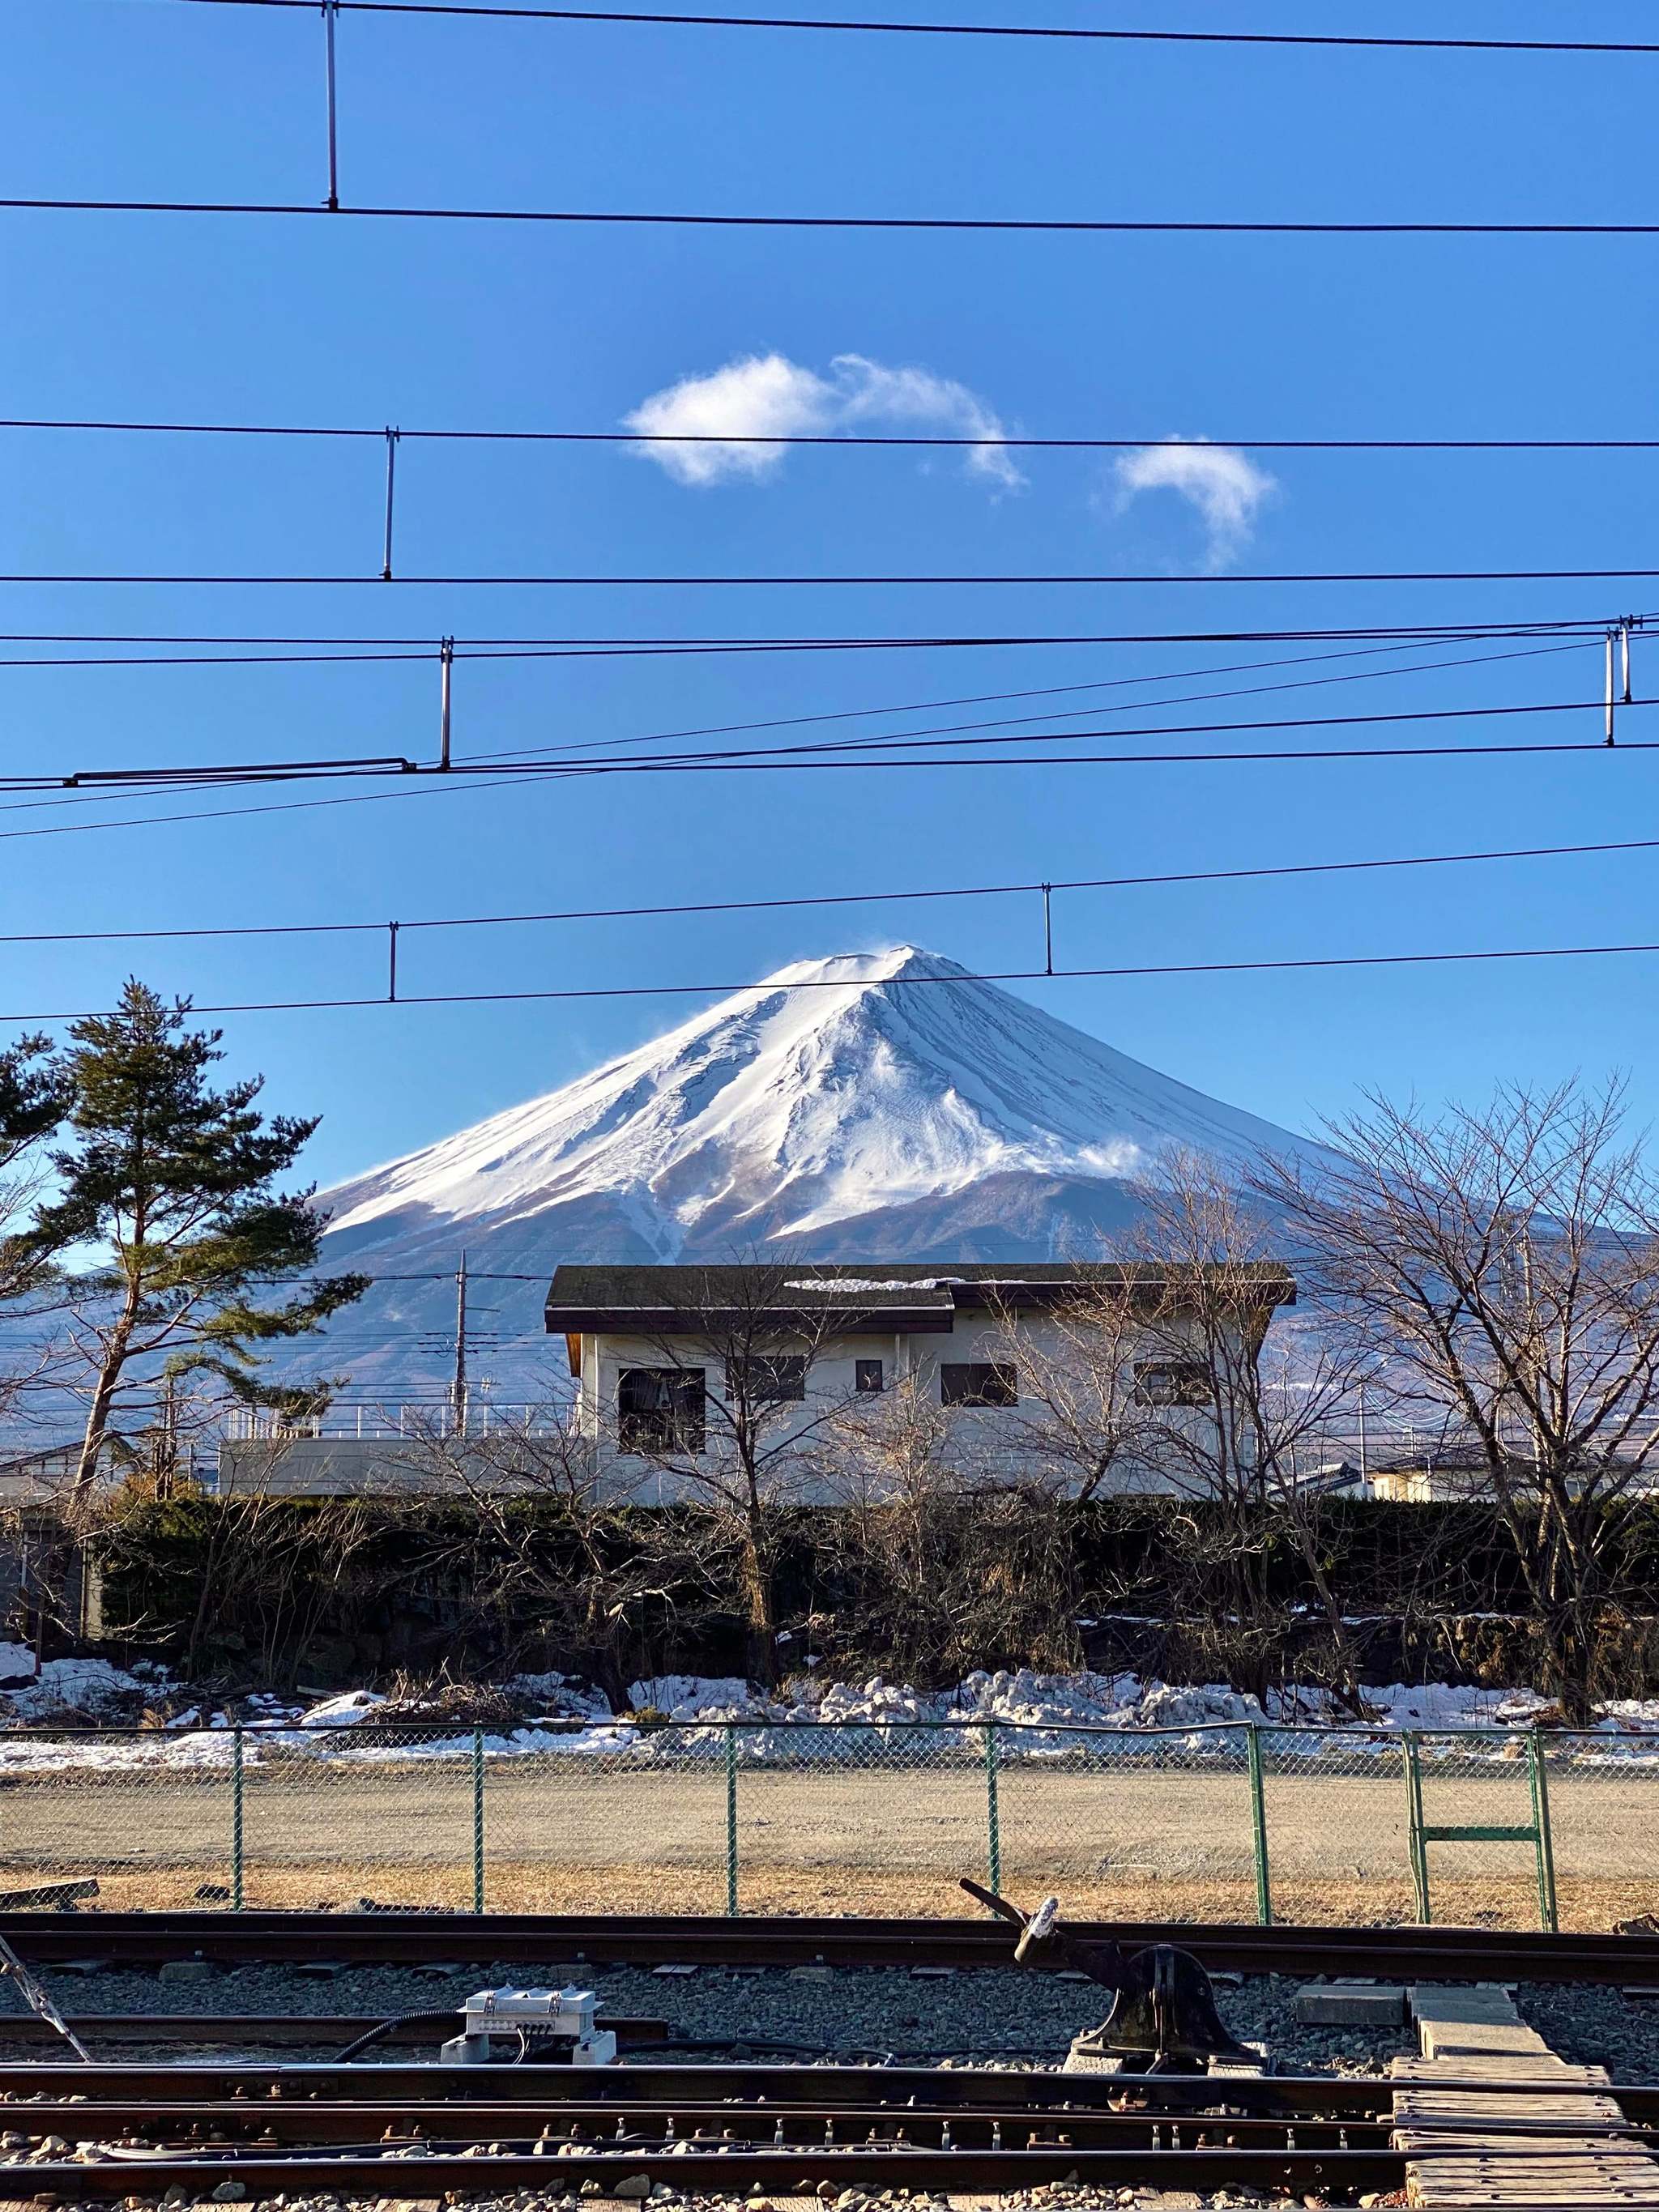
(912, 1294)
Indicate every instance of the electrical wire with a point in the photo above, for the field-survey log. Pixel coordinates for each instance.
(1135, 37)
(875, 752)
(773, 986)
(739, 437)
(824, 582)
(1265, 872)
(524, 753)
(509, 648)
(614, 218)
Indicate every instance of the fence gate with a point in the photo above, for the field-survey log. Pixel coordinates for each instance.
(1535, 1831)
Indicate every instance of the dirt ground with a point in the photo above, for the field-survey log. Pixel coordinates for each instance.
(1135, 1843)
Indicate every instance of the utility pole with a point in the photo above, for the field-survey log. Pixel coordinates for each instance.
(458, 1391)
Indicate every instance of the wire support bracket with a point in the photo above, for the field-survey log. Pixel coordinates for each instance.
(445, 671)
(330, 13)
(391, 438)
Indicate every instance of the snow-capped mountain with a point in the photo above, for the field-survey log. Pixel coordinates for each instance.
(870, 1106)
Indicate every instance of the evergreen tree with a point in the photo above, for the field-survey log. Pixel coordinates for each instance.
(32, 1102)
(170, 1183)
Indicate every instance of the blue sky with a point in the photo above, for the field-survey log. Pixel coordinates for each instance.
(475, 325)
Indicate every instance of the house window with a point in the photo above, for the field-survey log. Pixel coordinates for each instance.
(867, 1378)
(772, 1379)
(1172, 1382)
(659, 1409)
(978, 1382)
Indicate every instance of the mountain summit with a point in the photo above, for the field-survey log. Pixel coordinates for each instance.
(880, 1105)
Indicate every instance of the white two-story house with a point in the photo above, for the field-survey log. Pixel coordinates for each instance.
(662, 1355)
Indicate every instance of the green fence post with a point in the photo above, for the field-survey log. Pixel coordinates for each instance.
(236, 1818)
(1264, 1902)
(730, 1821)
(478, 1820)
(1416, 1843)
(993, 1822)
(1548, 1916)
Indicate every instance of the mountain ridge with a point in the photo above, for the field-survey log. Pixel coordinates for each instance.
(876, 1105)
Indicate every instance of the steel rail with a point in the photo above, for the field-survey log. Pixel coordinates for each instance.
(579, 1942)
(800, 2171)
(327, 2031)
(597, 2127)
(679, 2088)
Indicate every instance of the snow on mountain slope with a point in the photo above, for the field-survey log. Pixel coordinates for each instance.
(867, 1106)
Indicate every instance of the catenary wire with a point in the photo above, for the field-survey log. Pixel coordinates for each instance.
(829, 898)
(680, 219)
(1354, 39)
(824, 582)
(523, 753)
(508, 647)
(796, 757)
(739, 437)
(527, 753)
(772, 986)
(431, 789)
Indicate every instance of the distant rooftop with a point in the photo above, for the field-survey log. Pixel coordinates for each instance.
(915, 1295)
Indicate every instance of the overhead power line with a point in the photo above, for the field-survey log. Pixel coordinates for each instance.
(824, 983)
(507, 648)
(910, 895)
(826, 582)
(741, 437)
(460, 783)
(1109, 35)
(872, 752)
(1114, 226)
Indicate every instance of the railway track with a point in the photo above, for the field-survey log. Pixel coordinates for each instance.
(412, 2131)
(256, 2128)
(575, 1940)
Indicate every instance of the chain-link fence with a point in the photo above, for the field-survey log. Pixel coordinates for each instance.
(1228, 1821)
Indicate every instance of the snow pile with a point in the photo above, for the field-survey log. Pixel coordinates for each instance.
(17, 1662)
(701, 1696)
(343, 1711)
(89, 1689)
(561, 1697)
(1039, 1718)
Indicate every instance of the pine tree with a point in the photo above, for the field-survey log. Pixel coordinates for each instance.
(170, 1182)
(32, 1102)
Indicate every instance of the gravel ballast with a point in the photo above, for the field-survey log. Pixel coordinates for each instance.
(933, 2017)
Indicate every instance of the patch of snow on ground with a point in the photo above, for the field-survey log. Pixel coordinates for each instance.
(88, 1687)
(695, 1697)
(562, 1698)
(17, 1662)
(1041, 1718)
(343, 1711)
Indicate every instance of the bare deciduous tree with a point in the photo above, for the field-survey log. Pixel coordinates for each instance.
(1078, 1426)
(745, 1446)
(943, 1562)
(1501, 1266)
(554, 1549)
(1235, 1416)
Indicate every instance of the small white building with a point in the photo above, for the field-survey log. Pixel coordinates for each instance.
(667, 1359)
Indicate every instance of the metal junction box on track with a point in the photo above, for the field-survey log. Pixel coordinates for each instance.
(538, 2025)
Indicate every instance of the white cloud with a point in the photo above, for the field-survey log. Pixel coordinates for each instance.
(768, 396)
(1224, 485)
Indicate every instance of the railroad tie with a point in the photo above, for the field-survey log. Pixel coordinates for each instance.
(1470, 2143)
